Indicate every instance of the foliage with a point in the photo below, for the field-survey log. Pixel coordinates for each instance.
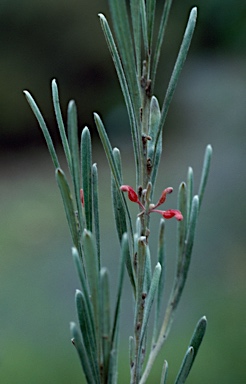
(96, 338)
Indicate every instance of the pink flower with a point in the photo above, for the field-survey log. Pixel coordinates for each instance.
(132, 195)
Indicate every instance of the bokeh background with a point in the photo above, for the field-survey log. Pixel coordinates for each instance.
(63, 40)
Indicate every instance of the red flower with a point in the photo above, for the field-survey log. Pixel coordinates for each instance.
(132, 195)
(170, 212)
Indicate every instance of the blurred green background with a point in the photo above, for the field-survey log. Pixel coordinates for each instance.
(63, 39)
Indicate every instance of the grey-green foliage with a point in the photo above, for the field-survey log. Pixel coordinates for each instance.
(96, 339)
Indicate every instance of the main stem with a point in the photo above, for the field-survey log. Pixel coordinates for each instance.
(145, 83)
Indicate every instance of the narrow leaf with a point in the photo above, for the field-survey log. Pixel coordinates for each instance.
(192, 351)
(136, 27)
(185, 367)
(131, 352)
(87, 334)
(154, 146)
(43, 127)
(148, 271)
(124, 255)
(114, 169)
(60, 123)
(160, 289)
(150, 298)
(105, 319)
(141, 262)
(205, 172)
(96, 211)
(164, 373)
(161, 33)
(82, 352)
(150, 11)
(184, 263)
(178, 67)
(190, 183)
(68, 205)
(198, 335)
(74, 146)
(92, 272)
(125, 45)
(86, 166)
(113, 363)
(118, 208)
(181, 226)
(132, 113)
(85, 288)
(144, 27)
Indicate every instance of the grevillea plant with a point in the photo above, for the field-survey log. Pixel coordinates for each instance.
(135, 55)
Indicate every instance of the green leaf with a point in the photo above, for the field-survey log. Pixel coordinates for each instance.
(177, 68)
(154, 147)
(191, 353)
(184, 261)
(122, 31)
(92, 274)
(164, 373)
(60, 123)
(124, 256)
(118, 208)
(191, 231)
(198, 335)
(185, 367)
(150, 299)
(112, 376)
(160, 289)
(131, 351)
(161, 33)
(105, 319)
(144, 27)
(123, 36)
(88, 335)
(150, 11)
(148, 271)
(113, 371)
(74, 146)
(82, 352)
(190, 183)
(68, 205)
(136, 28)
(181, 226)
(141, 263)
(44, 128)
(85, 288)
(114, 169)
(133, 112)
(96, 211)
(86, 166)
(205, 172)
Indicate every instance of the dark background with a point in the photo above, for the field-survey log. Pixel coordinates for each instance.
(63, 40)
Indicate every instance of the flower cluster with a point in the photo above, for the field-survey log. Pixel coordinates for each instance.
(132, 195)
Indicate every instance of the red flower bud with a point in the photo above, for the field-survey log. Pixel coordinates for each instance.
(173, 213)
(132, 195)
(170, 213)
(164, 195)
(82, 197)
